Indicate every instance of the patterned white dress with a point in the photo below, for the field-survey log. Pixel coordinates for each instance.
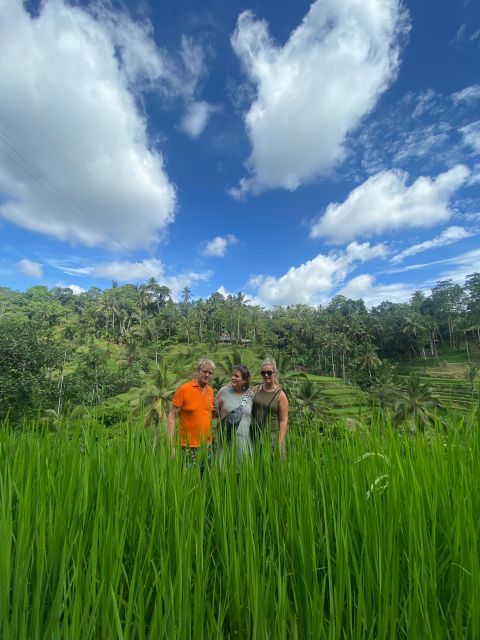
(230, 400)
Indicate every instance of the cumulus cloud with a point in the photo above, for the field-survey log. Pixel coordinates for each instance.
(448, 236)
(74, 287)
(129, 271)
(316, 88)
(138, 271)
(385, 203)
(364, 287)
(250, 300)
(31, 269)
(312, 282)
(78, 164)
(218, 246)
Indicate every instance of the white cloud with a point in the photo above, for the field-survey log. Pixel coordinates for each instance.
(31, 269)
(364, 287)
(363, 252)
(140, 271)
(218, 246)
(475, 36)
(142, 64)
(74, 287)
(316, 88)
(471, 135)
(81, 167)
(125, 271)
(250, 301)
(313, 281)
(182, 280)
(469, 93)
(196, 118)
(385, 203)
(448, 236)
(463, 265)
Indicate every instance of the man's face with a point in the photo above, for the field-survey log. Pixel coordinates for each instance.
(205, 375)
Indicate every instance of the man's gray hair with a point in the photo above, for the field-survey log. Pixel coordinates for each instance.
(204, 362)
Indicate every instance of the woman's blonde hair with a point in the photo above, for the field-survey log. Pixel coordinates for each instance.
(270, 362)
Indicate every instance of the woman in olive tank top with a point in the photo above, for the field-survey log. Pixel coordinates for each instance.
(270, 407)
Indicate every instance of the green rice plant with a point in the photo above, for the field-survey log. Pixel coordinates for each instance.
(352, 534)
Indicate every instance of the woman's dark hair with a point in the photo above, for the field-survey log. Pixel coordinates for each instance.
(245, 373)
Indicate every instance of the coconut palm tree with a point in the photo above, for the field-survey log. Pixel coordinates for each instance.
(471, 374)
(228, 362)
(155, 398)
(385, 392)
(463, 326)
(367, 358)
(416, 404)
(308, 396)
(240, 300)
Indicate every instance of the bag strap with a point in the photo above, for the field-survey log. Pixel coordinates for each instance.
(275, 395)
(247, 396)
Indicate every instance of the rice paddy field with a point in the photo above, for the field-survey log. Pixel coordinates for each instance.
(371, 534)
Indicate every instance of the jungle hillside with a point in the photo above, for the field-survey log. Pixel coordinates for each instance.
(121, 352)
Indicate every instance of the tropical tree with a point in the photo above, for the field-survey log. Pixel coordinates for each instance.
(416, 404)
(186, 295)
(367, 358)
(385, 390)
(415, 330)
(229, 361)
(156, 396)
(239, 302)
(308, 395)
(471, 374)
(344, 346)
(462, 325)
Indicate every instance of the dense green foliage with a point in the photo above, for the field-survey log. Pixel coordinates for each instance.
(353, 535)
(125, 347)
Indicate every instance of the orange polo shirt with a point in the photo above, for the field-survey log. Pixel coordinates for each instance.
(196, 408)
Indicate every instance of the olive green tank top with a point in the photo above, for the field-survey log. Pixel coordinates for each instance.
(266, 409)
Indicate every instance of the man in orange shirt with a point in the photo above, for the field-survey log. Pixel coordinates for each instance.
(193, 403)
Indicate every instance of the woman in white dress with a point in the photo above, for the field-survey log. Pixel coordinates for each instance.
(236, 397)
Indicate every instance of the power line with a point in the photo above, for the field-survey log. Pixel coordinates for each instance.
(58, 192)
(32, 169)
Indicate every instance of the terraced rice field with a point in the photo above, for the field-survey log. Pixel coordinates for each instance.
(372, 535)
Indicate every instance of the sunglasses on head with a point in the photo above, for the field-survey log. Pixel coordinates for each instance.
(266, 373)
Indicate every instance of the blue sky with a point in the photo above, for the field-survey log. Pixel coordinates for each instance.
(288, 150)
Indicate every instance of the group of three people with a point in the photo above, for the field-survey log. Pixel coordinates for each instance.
(244, 413)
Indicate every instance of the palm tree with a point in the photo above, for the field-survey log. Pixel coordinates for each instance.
(414, 328)
(255, 315)
(156, 396)
(186, 295)
(54, 418)
(384, 392)
(229, 361)
(308, 395)
(368, 358)
(240, 301)
(471, 374)
(330, 343)
(344, 346)
(416, 404)
(463, 326)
